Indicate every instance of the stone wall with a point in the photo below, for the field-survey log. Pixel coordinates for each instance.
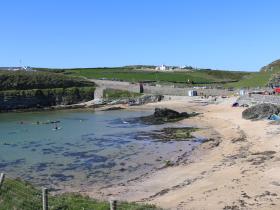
(160, 89)
(259, 99)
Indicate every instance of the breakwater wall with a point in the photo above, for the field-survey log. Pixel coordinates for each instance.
(160, 89)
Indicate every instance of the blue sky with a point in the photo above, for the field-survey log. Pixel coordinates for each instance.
(220, 34)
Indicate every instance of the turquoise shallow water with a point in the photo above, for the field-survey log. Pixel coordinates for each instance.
(90, 148)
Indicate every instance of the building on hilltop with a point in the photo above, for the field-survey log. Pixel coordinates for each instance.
(161, 68)
(23, 68)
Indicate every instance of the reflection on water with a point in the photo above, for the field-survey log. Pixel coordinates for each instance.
(82, 148)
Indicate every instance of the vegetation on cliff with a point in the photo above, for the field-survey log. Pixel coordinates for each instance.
(23, 80)
(23, 89)
(38, 98)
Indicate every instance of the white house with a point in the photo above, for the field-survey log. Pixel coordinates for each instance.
(161, 68)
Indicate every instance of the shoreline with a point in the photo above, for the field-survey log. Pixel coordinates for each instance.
(239, 159)
(212, 140)
(242, 163)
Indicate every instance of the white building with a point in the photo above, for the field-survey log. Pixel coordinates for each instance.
(23, 68)
(161, 68)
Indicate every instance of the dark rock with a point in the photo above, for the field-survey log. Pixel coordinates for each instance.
(168, 134)
(112, 108)
(260, 111)
(165, 115)
(169, 113)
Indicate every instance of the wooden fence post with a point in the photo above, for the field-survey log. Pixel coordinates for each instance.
(2, 177)
(45, 198)
(113, 205)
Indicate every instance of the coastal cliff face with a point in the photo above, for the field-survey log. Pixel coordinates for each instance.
(39, 98)
(39, 89)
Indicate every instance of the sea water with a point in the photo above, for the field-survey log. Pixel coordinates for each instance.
(82, 148)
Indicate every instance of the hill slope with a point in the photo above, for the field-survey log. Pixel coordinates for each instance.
(268, 75)
(128, 74)
(273, 70)
(23, 80)
(272, 67)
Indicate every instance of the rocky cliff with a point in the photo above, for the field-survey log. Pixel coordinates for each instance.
(39, 98)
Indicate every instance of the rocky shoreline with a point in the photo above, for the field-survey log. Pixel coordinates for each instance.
(100, 106)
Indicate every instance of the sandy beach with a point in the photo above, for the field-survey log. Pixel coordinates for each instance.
(238, 168)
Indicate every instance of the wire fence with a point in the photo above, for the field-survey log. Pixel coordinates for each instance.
(19, 195)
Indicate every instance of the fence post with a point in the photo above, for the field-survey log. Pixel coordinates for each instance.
(113, 205)
(2, 177)
(45, 198)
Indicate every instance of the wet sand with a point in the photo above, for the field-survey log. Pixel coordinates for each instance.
(237, 169)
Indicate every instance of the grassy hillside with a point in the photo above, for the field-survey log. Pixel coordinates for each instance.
(272, 67)
(196, 77)
(18, 195)
(256, 79)
(261, 78)
(129, 74)
(22, 80)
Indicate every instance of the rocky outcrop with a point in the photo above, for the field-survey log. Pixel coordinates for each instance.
(169, 134)
(274, 81)
(138, 101)
(168, 113)
(40, 98)
(146, 99)
(260, 111)
(272, 66)
(165, 115)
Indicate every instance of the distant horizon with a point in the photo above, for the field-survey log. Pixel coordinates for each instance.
(226, 35)
(96, 67)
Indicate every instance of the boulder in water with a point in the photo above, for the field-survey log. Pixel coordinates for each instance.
(165, 115)
(168, 113)
(260, 111)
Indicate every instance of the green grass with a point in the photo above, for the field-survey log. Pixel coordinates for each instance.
(19, 195)
(257, 79)
(22, 80)
(197, 77)
(112, 94)
(127, 74)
